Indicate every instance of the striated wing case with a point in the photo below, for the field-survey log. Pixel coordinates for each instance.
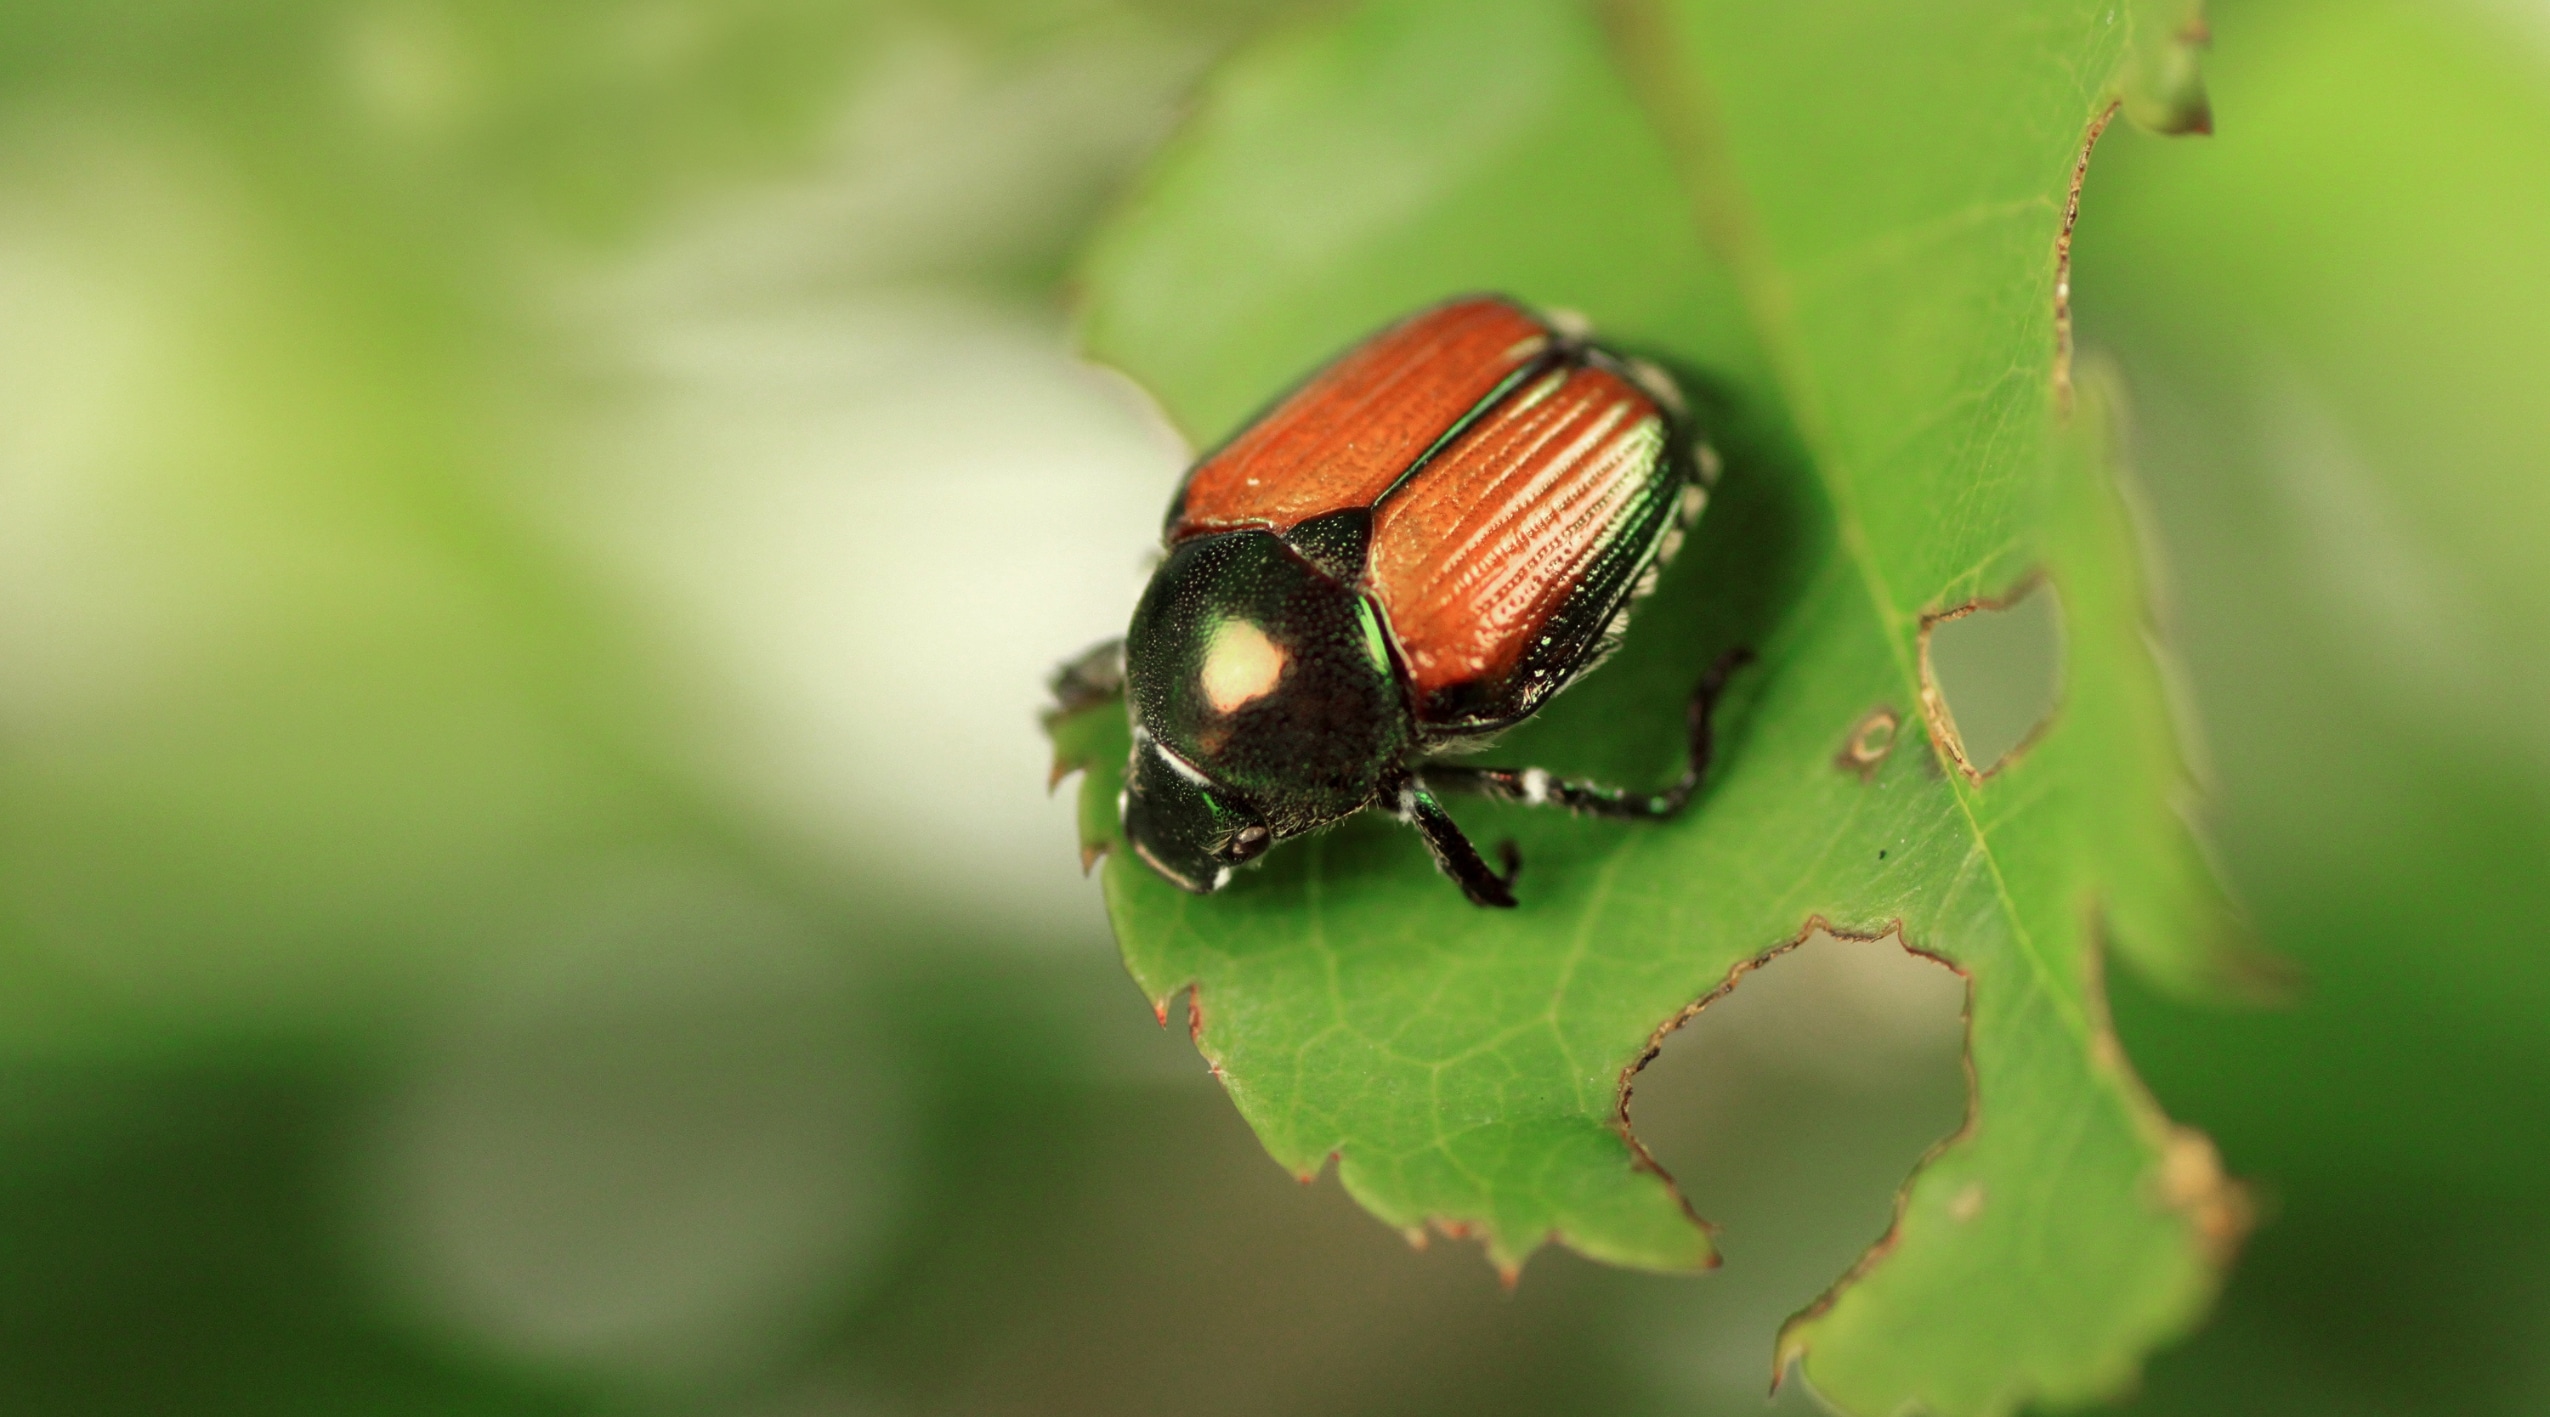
(1505, 563)
(1341, 440)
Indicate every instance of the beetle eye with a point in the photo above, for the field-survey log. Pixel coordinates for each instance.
(1248, 841)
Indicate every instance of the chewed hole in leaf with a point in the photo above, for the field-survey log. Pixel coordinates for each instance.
(1790, 1110)
(1997, 671)
(1869, 742)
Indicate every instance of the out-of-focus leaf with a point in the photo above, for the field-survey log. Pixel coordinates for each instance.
(2337, 335)
(1846, 227)
(2343, 340)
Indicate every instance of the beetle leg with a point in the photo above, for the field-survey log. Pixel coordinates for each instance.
(1093, 678)
(1538, 787)
(1412, 803)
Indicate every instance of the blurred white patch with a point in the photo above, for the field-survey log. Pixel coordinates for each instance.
(875, 526)
(875, 515)
(111, 242)
(656, 1146)
(947, 162)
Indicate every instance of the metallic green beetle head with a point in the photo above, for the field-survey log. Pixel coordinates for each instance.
(1264, 705)
(1189, 828)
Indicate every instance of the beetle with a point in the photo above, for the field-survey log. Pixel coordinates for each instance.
(1413, 550)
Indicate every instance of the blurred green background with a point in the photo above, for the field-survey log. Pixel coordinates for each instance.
(529, 540)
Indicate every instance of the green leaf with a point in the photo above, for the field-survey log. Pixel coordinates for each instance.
(1845, 225)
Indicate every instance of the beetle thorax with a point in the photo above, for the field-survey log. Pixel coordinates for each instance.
(1269, 677)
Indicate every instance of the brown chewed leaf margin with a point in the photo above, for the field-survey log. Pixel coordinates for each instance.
(1935, 711)
(1814, 926)
(2063, 260)
(2189, 1181)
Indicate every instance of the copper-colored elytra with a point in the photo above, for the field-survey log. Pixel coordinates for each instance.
(1471, 559)
(1342, 439)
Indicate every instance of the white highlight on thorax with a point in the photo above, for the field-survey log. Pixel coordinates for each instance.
(1240, 666)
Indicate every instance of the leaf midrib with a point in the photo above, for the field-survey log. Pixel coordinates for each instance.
(1682, 113)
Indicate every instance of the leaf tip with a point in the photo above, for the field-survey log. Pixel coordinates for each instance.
(1788, 1350)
